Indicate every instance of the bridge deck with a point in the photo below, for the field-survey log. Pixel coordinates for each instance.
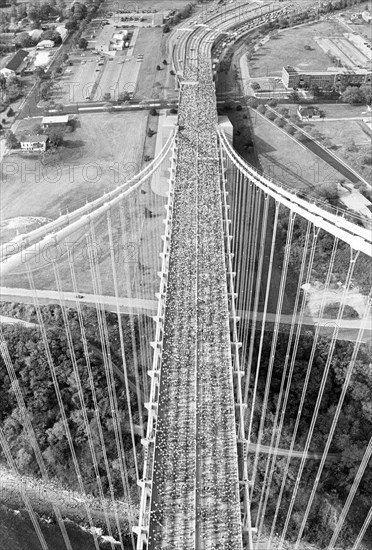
(195, 495)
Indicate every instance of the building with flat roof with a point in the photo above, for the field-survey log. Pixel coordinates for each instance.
(293, 78)
(54, 121)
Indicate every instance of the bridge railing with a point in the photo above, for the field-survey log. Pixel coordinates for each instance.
(149, 443)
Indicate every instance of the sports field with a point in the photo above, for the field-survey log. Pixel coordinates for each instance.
(289, 49)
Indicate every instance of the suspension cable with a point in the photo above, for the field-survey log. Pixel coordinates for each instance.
(320, 395)
(349, 372)
(94, 395)
(281, 292)
(58, 393)
(122, 344)
(102, 324)
(83, 408)
(304, 389)
(276, 432)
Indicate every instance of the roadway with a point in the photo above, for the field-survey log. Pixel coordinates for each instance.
(195, 466)
(128, 306)
(348, 329)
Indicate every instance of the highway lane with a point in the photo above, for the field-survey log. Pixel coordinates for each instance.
(128, 306)
(311, 455)
(348, 328)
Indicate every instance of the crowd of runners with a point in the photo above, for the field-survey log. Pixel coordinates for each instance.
(195, 492)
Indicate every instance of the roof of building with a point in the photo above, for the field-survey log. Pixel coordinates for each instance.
(34, 138)
(62, 31)
(6, 72)
(55, 119)
(36, 33)
(16, 60)
(46, 43)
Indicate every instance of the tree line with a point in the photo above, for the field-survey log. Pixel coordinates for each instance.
(350, 440)
(33, 373)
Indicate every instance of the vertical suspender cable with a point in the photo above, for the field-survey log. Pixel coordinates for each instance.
(83, 407)
(122, 345)
(366, 321)
(304, 390)
(93, 390)
(320, 395)
(59, 396)
(276, 432)
(281, 293)
(131, 324)
(102, 324)
(248, 291)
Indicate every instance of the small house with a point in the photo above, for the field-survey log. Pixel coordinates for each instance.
(308, 112)
(45, 44)
(34, 143)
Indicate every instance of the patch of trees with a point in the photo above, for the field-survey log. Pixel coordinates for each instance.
(180, 14)
(23, 40)
(10, 88)
(78, 11)
(357, 94)
(350, 440)
(10, 140)
(83, 43)
(33, 372)
(51, 35)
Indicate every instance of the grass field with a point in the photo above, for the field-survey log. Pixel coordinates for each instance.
(149, 45)
(342, 110)
(341, 135)
(158, 5)
(334, 111)
(95, 158)
(285, 160)
(289, 49)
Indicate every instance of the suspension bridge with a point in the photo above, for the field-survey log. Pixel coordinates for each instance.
(215, 424)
